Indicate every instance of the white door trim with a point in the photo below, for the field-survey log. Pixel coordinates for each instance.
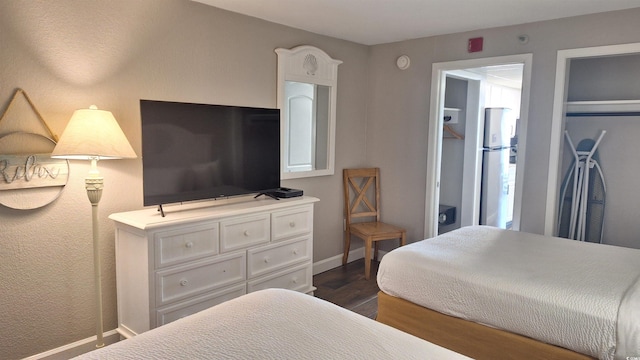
(434, 138)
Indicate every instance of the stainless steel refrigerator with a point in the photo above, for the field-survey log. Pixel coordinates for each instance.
(499, 128)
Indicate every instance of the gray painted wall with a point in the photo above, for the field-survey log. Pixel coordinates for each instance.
(604, 78)
(399, 104)
(68, 54)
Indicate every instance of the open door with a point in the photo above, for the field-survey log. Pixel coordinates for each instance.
(477, 98)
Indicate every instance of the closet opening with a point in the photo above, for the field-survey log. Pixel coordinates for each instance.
(590, 198)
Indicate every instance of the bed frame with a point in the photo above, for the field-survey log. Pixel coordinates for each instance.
(465, 337)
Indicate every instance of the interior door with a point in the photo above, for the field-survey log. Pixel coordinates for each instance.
(472, 159)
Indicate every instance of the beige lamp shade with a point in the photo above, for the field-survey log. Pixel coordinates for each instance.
(93, 134)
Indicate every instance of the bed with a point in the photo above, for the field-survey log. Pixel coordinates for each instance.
(273, 324)
(490, 293)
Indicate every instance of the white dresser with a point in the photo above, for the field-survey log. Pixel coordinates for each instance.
(173, 266)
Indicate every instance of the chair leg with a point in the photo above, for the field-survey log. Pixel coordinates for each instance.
(367, 259)
(375, 252)
(347, 244)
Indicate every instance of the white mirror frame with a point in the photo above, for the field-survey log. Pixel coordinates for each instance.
(307, 64)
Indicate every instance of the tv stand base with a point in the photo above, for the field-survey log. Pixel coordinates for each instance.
(267, 193)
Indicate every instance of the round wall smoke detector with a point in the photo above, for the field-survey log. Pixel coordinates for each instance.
(403, 62)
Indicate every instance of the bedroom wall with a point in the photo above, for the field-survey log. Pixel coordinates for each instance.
(398, 106)
(69, 54)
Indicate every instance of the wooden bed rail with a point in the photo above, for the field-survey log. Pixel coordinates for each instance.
(465, 337)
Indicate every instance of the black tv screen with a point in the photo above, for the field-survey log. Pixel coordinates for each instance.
(199, 151)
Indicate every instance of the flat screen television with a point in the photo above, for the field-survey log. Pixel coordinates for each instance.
(199, 151)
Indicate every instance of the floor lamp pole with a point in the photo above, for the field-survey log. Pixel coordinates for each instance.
(94, 184)
(93, 134)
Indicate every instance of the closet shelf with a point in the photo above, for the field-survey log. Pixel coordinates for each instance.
(604, 108)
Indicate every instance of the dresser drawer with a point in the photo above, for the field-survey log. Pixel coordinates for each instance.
(297, 278)
(291, 222)
(192, 306)
(186, 243)
(242, 232)
(279, 255)
(199, 277)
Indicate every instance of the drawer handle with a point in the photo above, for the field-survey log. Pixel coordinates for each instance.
(292, 224)
(247, 233)
(266, 259)
(294, 280)
(189, 245)
(184, 282)
(295, 251)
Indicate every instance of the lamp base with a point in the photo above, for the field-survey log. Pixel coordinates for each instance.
(94, 186)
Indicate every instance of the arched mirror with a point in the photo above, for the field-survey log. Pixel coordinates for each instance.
(307, 81)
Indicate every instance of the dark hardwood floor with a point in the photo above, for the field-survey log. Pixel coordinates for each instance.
(345, 286)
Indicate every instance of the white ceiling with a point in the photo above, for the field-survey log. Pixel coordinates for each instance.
(371, 22)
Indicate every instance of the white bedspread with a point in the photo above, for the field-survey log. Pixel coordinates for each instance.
(274, 324)
(559, 291)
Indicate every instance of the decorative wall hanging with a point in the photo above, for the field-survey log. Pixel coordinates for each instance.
(29, 177)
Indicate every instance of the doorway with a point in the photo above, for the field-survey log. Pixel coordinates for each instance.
(461, 91)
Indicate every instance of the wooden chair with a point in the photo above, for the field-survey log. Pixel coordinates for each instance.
(361, 200)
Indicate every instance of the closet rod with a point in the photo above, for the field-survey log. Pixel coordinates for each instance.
(607, 113)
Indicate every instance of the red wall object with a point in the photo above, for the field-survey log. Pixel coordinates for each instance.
(475, 44)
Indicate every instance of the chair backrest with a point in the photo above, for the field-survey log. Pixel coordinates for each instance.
(361, 193)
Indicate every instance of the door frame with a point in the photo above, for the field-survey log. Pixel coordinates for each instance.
(558, 119)
(434, 138)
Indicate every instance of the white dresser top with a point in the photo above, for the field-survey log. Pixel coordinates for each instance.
(150, 217)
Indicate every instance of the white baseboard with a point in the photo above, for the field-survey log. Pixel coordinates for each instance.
(77, 348)
(335, 261)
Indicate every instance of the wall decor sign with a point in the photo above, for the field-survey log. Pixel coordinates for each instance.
(29, 177)
(26, 171)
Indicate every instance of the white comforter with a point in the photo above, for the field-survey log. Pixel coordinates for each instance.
(274, 324)
(581, 296)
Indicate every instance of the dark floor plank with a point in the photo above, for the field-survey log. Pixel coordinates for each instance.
(346, 286)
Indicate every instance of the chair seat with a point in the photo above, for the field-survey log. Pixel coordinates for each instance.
(377, 230)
